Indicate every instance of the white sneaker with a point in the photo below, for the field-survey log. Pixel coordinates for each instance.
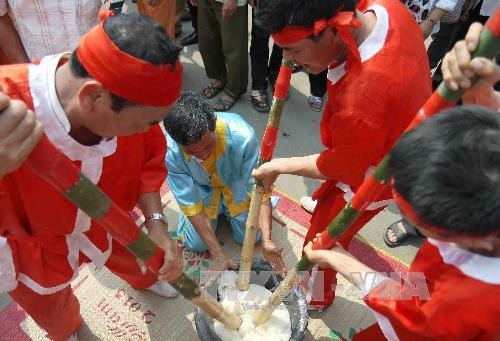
(308, 204)
(164, 289)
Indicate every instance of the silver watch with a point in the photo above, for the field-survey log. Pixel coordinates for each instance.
(156, 216)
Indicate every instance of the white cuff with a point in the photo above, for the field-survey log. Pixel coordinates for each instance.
(371, 281)
(8, 280)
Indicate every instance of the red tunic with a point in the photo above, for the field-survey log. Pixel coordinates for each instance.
(58, 235)
(367, 112)
(464, 289)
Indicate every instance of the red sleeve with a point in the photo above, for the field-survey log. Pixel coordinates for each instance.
(154, 171)
(455, 308)
(356, 145)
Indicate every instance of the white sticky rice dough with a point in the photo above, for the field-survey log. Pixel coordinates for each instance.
(246, 304)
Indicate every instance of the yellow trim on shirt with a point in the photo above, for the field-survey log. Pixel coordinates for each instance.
(192, 210)
(213, 209)
(218, 151)
(234, 209)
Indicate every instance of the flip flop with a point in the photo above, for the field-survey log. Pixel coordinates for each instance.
(400, 232)
(223, 105)
(211, 91)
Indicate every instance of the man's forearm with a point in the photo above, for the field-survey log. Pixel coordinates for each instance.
(10, 42)
(265, 218)
(303, 166)
(203, 226)
(351, 268)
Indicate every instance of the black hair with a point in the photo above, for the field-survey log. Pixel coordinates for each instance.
(139, 36)
(448, 169)
(190, 118)
(274, 15)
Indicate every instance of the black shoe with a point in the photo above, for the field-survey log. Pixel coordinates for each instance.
(190, 39)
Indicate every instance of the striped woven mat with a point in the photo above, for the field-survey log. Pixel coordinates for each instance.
(112, 310)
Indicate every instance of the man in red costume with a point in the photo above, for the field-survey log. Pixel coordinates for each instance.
(100, 106)
(377, 80)
(446, 176)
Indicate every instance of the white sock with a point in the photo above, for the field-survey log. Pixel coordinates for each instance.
(308, 204)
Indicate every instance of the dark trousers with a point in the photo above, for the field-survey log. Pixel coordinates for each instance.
(317, 84)
(439, 45)
(456, 32)
(193, 10)
(223, 45)
(263, 67)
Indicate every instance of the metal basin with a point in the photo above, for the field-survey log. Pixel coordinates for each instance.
(295, 302)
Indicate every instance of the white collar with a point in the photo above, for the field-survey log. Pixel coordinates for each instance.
(482, 268)
(372, 44)
(49, 111)
(57, 108)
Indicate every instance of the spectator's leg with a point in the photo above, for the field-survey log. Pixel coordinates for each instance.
(274, 64)
(209, 40)
(460, 30)
(259, 56)
(317, 83)
(193, 10)
(438, 47)
(235, 44)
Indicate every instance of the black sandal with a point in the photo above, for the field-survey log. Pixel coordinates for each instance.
(400, 232)
(260, 101)
(211, 91)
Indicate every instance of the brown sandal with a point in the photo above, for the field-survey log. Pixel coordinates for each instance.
(211, 91)
(224, 104)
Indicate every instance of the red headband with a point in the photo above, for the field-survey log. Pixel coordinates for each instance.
(127, 76)
(342, 21)
(408, 211)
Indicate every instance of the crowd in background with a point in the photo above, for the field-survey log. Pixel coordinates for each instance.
(30, 30)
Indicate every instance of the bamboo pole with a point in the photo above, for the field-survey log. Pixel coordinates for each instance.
(58, 170)
(442, 98)
(266, 153)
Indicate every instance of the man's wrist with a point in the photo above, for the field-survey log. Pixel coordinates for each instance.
(156, 216)
(279, 167)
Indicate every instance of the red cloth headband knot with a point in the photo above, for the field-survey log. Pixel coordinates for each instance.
(127, 76)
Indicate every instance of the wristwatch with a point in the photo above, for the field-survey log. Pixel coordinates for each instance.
(156, 216)
(434, 22)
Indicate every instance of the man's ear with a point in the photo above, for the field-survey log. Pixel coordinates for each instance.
(91, 96)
